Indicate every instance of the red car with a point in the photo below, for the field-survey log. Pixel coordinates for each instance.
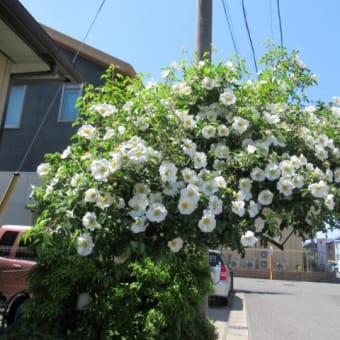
(15, 264)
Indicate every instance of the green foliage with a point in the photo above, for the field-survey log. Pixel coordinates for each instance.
(150, 299)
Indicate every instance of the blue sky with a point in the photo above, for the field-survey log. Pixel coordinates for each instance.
(150, 34)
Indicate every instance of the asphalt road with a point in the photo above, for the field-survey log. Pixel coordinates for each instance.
(291, 310)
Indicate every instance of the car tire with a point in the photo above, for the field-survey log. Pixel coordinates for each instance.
(14, 314)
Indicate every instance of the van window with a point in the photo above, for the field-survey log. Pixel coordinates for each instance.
(24, 252)
(7, 242)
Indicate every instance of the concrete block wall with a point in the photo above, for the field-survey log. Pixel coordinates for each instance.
(287, 275)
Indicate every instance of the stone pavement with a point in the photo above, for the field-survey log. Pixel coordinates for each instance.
(231, 324)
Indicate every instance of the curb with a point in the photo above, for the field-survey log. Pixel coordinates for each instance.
(233, 323)
(236, 327)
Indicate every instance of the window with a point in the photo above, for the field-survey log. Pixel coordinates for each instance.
(68, 112)
(15, 106)
(24, 251)
(214, 259)
(7, 242)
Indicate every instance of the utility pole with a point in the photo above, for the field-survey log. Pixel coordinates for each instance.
(203, 44)
(203, 28)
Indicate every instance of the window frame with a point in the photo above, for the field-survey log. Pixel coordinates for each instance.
(19, 118)
(65, 89)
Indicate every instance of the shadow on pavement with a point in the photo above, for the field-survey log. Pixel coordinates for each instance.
(219, 308)
(217, 314)
(237, 303)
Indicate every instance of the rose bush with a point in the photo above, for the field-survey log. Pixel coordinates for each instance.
(201, 157)
(206, 157)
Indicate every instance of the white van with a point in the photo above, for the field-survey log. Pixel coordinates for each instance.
(221, 275)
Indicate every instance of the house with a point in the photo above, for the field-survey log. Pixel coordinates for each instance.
(27, 53)
(324, 251)
(334, 249)
(41, 73)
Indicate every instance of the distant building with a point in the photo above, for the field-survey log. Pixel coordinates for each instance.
(289, 259)
(324, 251)
(321, 246)
(333, 246)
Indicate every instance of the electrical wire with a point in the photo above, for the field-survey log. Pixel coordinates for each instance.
(88, 32)
(249, 35)
(28, 150)
(271, 19)
(228, 19)
(280, 23)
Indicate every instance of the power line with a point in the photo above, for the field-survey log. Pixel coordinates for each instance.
(271, 19)
(227, 16)
(58, 91)
(28, 150)
(280, 23)
(249, 36)
(88, 31)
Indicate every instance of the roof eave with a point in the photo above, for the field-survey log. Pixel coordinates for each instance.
(90, 52)
(30, 31)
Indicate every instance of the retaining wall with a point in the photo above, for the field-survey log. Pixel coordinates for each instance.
(286, 275)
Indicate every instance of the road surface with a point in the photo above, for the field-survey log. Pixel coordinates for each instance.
(291, 310)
